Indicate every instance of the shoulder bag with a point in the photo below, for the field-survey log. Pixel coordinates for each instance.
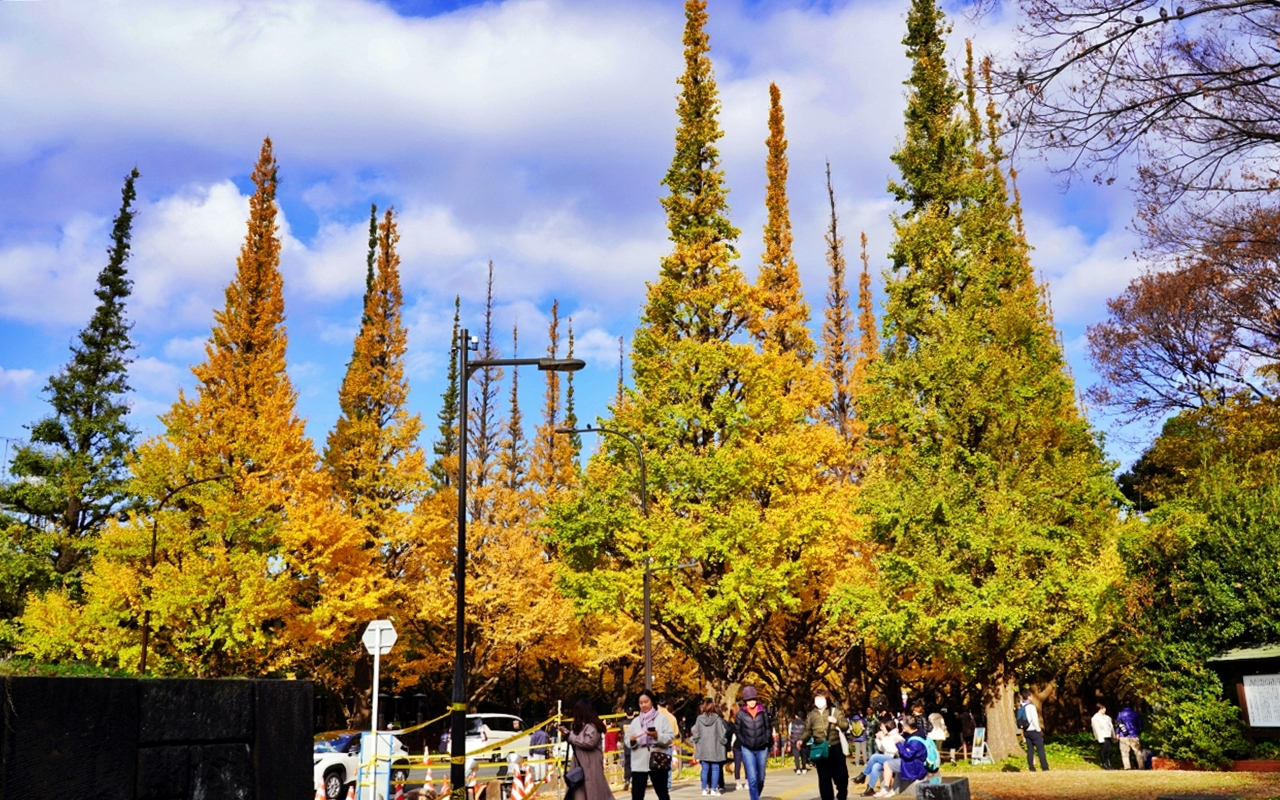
(659, 760)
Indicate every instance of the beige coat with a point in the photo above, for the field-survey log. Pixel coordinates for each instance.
(588, 753)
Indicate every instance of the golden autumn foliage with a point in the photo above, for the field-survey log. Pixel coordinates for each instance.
(256, 565)
(781, 323)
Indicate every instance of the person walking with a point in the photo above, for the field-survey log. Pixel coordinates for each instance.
(795, 735)
(539, 752)
(1129, 729)
(754, 732)
(1103, 730)
(1033, 733)
(734, 708)
(710, 742)
(648, 738)
(858, 725)
(587, 737)
(823, 725)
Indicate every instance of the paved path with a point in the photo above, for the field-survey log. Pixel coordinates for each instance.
(779, 784)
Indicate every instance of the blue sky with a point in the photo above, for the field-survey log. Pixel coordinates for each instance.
(530, 132)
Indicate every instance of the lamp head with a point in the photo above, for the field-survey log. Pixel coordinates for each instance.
(560, 364)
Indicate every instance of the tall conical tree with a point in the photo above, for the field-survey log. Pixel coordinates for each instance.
(372, 452)
(780, 323)
(837, 330)
(989, 496)
(552, 468)
(732, 461)
(484, 433)
(446, 444)
(513, 464)
(868, 336)
(72, 476)
(254, 564)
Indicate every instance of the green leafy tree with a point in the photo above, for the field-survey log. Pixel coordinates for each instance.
(732, 459)
(72, 477)
(987, 492)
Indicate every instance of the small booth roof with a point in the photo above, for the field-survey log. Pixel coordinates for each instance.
(1248, 654)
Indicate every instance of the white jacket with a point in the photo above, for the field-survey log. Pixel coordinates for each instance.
(1103, 728)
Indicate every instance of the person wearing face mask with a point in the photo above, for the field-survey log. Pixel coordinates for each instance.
(825, 723)
(754, 730)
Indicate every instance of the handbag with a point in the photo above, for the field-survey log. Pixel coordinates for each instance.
(659, 760)
(575, 776)
(819, 750)
(844, 742)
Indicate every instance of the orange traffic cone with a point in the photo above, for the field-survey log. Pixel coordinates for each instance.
(320, 792)
(351, 792)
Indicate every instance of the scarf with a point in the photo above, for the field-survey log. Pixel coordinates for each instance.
(647, 719)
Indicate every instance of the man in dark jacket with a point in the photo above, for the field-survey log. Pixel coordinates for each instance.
(795, 734)
(755, 733)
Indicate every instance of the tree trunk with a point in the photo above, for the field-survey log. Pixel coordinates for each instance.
(1001, 706)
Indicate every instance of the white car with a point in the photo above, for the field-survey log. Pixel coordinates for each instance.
(337, 761)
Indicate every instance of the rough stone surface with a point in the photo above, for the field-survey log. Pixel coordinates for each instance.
(939, 788)
(164, 773)
(221, 772)
(126, 739)
(69, 737)
(284, 717)
(195, 711)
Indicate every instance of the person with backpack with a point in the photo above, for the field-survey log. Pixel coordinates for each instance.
(710, 743)
(755, 734)
(916, 758)
(1028, 718)
(1128, 729)
(858, 727)
(823, 729)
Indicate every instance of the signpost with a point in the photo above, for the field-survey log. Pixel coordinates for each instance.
(378, 638)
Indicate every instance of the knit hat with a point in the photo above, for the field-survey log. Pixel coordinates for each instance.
(749, 693)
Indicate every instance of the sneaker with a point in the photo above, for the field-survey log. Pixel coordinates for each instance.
(706, 793)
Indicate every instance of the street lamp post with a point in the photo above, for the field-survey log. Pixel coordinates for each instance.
(458, 708)
(155, 529)
(648, 562)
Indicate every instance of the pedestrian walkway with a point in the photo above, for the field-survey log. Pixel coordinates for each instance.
(779, 784)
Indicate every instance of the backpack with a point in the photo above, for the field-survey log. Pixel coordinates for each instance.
(1021, 717)
(932, 761)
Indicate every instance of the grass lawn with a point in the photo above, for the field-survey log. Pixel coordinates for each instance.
(1118, 785)
(1074, 773)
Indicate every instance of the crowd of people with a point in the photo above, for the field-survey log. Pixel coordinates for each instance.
(888, 751)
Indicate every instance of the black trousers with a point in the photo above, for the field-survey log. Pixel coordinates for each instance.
(833, 776)
(798, 754)
(1104, 753)
(1035, 744)
(660, 779)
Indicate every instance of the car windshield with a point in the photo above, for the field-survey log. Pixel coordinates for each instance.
(334, 744)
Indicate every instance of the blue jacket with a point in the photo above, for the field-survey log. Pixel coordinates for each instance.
(1128, 724)
(913, 755)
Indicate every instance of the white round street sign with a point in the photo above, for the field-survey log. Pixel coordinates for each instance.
(379, 637)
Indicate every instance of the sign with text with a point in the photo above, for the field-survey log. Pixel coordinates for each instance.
(1262, 696)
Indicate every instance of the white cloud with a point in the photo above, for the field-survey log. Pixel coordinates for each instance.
(333, 265)
(151, 376)
(1082, 274)
(16, 381)
(188, 350)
